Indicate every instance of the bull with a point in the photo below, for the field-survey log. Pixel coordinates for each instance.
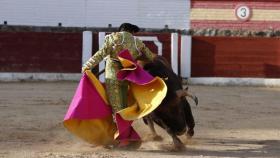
(174, 113)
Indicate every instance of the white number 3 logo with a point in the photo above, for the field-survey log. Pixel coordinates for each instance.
(242, 12)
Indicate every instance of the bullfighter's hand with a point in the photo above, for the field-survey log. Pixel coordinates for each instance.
(85, 68)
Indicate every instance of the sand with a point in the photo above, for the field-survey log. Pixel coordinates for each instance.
(230, 122)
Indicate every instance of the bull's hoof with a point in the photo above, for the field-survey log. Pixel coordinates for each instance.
(179, 147)
(128, 145)
(157, 138)
(190, 133)
(134, 145)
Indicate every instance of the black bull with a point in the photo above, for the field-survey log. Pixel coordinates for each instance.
(174, 113)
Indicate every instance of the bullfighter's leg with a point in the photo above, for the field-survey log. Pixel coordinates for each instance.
(150, 122)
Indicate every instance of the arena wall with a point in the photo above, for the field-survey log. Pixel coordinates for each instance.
(236, 52)
(96, 13)
(46, 52)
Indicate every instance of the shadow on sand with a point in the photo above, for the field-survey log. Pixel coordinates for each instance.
(240, 148)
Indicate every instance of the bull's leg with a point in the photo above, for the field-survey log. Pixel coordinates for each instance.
(189, 120)
(150, 122)
(190, 133)
(176, 141)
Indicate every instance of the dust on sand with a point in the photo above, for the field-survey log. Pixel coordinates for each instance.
(230, 122)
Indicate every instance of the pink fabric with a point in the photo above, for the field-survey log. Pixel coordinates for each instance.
(138, 76)
(87, 103)
(126, 55)
(126, 131)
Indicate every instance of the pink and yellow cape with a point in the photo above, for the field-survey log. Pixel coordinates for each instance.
(90, 116)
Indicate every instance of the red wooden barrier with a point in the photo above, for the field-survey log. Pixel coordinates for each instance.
(54, 52)
(40, 52)
(235, 57)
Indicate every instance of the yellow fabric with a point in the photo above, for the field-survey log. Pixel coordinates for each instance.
(96, 83)
(127, 64)
(94, 131)
(146, 99)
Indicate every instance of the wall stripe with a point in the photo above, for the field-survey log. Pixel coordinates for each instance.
(101, 39)
(228, 14)
(226, 81)
(232, 4)
(185, 66)
(212, 14)
(224, 24)
(16, 76)
(87, 46)
(174, 52)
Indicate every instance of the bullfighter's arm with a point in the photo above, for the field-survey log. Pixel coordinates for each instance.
(98, 56)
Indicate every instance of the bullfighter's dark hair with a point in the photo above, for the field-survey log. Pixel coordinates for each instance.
(129, 28)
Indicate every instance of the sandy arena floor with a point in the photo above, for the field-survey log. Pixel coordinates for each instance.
(230, 122)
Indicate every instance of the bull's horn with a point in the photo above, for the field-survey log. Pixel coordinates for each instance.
(195, 99)
(185, 93)
(181, 93)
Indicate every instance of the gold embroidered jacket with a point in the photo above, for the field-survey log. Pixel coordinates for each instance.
(114, 43)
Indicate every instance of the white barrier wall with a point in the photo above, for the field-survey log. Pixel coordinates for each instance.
(96, 13)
